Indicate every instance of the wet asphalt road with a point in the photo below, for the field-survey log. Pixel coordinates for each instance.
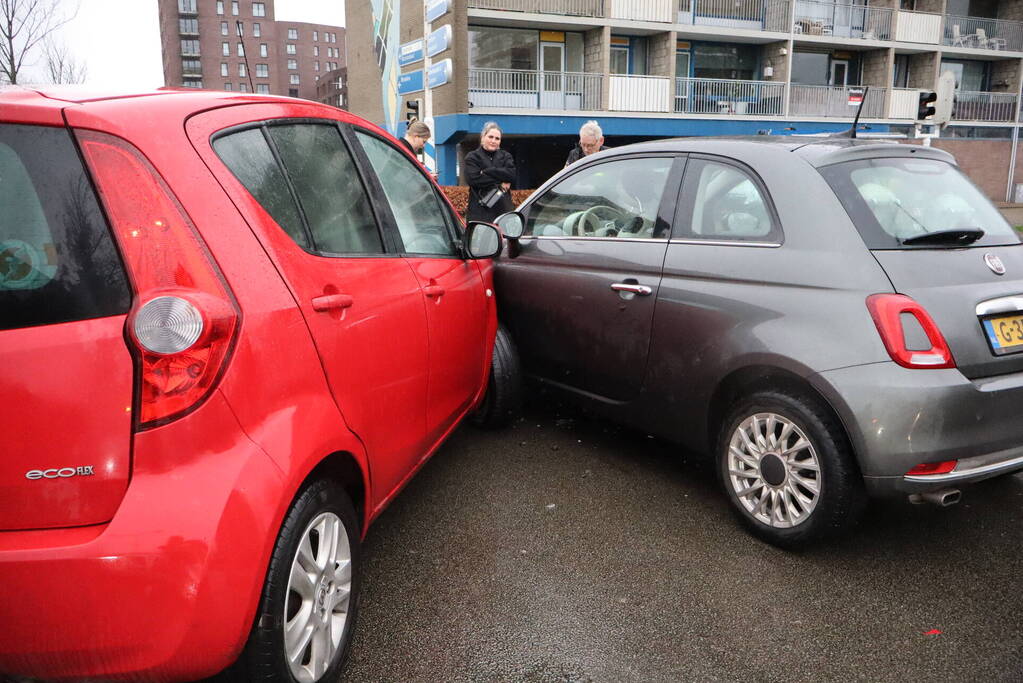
(567, 550)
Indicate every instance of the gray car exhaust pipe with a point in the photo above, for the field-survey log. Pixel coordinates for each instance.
(943, 498)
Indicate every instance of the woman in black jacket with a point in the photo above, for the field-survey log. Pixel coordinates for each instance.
(488, 168)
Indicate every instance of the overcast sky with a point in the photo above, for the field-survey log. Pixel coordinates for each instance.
(119, 40)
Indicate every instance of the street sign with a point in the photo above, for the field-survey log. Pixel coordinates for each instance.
(438, 40)
(410, 52)
(439, 73)
(410, 82)
(855, 97)
(435, 9)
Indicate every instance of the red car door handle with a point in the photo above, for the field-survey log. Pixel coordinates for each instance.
(433, 290)
(330, 302)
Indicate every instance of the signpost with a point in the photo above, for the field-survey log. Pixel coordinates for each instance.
(410, 52)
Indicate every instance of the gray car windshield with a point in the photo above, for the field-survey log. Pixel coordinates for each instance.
(899, 203)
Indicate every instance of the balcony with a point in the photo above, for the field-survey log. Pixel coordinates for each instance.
(826, 101)
(642, 10)
(984, 106)
(983, 34)
(753, 15)
(570, 8)
(639, 93)
(918, 27)
(739, 98)
(517, 89)
(842, 20)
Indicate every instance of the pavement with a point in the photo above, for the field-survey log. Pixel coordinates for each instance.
(564, 549)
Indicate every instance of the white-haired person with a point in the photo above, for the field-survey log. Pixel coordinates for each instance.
(591, 141)
(489, 173)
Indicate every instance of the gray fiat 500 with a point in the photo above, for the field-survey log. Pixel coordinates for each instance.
(832, 319)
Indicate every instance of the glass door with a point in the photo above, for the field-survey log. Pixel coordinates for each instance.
(682, 87)
(552, 79)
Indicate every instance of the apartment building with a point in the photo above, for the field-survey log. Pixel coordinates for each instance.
(238, 45)
(657, 68)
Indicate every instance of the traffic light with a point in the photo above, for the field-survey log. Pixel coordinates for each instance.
(412, 108)
(925, 108)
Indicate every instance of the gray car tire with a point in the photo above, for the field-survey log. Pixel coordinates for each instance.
(503, 399)
(321, 505)
(787, 469)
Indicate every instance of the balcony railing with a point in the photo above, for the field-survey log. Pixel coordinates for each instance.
(572, 8)
(755, 15)
(711, 96)
(639, 93)
(642, 10)
(519, 89)
(918, 27)
(842, 20)
(904, 103)
(984, 106)
(985, 34)
(833, 102)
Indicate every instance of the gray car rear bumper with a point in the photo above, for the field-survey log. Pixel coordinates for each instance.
(898, 418)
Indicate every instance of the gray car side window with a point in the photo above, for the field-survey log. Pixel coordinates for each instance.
(614, 199)
(722, 201)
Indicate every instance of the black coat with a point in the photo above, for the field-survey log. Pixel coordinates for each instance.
(576, 154)
(483, 172)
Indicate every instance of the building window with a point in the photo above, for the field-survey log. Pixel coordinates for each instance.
(189, 47)
(188, 25)
(220, 7)
(316, 65)
(234, 7)
(291, 49)
(192, 84)
(241, 50)
(292, 64)
(728, 61)
(316, 50)
(262, 50)
(186, 5)
(294, 79)
(257, 31)
(223, 28)
(227, 86)
(333, 37)
(263, 88)
(292, 92)
(191, 66)
(258, 9)
(292, 34)
(262, 71)
(316, 36)
(243, 87)
(240, 28)
(242, 73)
(223, 68)
(225, 49)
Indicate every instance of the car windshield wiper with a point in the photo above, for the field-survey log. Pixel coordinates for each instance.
(959, 236)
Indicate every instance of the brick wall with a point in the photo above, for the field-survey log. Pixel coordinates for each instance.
(1005, 71)
(936, 6)
(662, 54)
(986, 162)
(597, 57)
(876, 67)
(1010, 10)
(771, 54)
(923, 70)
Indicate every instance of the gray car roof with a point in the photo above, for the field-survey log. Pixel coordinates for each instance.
(817, 151)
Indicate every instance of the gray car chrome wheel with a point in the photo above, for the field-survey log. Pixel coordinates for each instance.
(316, 606)
(788, 469)
(774, 470)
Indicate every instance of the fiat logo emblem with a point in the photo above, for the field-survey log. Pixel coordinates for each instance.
(995, 264)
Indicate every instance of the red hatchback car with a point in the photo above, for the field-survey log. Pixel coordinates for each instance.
(232, 327)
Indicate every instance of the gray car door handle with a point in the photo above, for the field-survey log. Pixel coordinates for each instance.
(642, 290)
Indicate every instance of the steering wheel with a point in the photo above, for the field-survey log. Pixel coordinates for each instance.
(596, 218)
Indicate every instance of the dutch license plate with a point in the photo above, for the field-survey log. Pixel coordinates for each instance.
(1005, 333)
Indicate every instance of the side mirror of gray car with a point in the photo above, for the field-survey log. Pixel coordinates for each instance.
(511, 224)
(482, 240)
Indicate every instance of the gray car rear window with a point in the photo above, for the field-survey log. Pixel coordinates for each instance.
(895, 199)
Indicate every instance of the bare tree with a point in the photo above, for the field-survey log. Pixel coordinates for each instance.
(24, 25)
(62, 65)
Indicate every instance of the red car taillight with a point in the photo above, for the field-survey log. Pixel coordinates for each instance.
(184, 319)
(887, 311)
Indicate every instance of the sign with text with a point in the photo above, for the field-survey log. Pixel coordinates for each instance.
(410, 82)
(439, 73)
(855, 97)
(435, 9)
(411, 52)
(438, 40)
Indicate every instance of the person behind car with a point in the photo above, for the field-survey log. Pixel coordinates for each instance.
(591, 141)
(489, 173)
(416, 136)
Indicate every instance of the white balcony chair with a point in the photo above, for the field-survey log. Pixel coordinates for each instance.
(986, 43)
